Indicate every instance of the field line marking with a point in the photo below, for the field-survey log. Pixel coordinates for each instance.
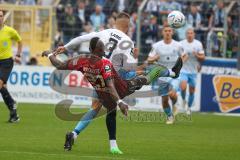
(70, 155)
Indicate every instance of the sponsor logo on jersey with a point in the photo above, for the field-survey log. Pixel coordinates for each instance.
(227, 89)
(107, 68)
(90, 70)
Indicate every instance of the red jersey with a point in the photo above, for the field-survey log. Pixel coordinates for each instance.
(97, 71)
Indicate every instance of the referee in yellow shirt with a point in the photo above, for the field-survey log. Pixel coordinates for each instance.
(7, 35)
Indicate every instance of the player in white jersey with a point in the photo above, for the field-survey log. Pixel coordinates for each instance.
(193, 50)
(166, 52)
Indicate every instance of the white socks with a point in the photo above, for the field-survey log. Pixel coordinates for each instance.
(113, 144)
(74, 135)
(171, 73)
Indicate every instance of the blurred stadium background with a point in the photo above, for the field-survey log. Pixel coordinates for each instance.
(46, 24)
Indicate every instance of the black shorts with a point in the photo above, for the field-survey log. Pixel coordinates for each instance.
(6, 66)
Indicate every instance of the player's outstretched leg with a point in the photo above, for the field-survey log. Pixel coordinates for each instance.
(161, 71)
(177, 67)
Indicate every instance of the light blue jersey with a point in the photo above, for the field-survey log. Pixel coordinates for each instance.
(190, 68)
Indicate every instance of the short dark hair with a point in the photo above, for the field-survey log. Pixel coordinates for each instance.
(96, 43)
(123, 15)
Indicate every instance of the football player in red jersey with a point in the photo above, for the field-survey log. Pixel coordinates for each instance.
(99, 71)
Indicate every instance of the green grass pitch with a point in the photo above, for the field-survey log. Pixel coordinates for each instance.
(40, 136)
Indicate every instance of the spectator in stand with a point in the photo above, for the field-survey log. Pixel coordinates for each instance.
(175, 5)
(217, 17)
(132, 5)
(133, 28)
(122, 4)
(150, 34)
(98, 18)
(65, 2)
(82, 11)
(111, 22)
(164, 10)
(110, 6)
(206, 9)
(100, 2)
(152, 7)
(195, 20)
(232, 40)
(194, 17)
(70, 24)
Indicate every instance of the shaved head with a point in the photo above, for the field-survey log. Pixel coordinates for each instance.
(123, 22)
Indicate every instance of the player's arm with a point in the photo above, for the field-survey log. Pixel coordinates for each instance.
(16, 37)
(184, 57)
(153, 59)
(19, 49)
(74, 43)
(55, 62)
(122, 105)
(153, 56)
(182, 53)
(200, 54)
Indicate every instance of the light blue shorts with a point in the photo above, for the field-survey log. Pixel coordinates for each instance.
(191, 78)
(165, 86)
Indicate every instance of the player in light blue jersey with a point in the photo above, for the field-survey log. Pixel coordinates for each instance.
(193, 52)
(166, 52)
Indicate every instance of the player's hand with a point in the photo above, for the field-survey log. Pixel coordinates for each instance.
(195, 54)
(17, 59)
(45, 53)
(124, 108)
(136, 53)
(59, 50)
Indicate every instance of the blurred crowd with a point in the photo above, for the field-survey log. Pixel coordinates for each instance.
(79, 17)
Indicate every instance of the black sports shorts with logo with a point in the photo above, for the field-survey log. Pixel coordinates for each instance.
(6, 66)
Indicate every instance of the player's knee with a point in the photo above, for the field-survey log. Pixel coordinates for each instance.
(191, 90)
(112, 114)
(165, 101)
(96, 105)
(183, 85)
(172, 94)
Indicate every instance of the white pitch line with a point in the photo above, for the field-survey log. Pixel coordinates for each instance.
(65, 155)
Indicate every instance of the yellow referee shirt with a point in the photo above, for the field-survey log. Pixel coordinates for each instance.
(7, 34)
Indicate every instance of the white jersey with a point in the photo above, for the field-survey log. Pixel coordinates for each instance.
(118, 47)
(190, 66)
(168, 53)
